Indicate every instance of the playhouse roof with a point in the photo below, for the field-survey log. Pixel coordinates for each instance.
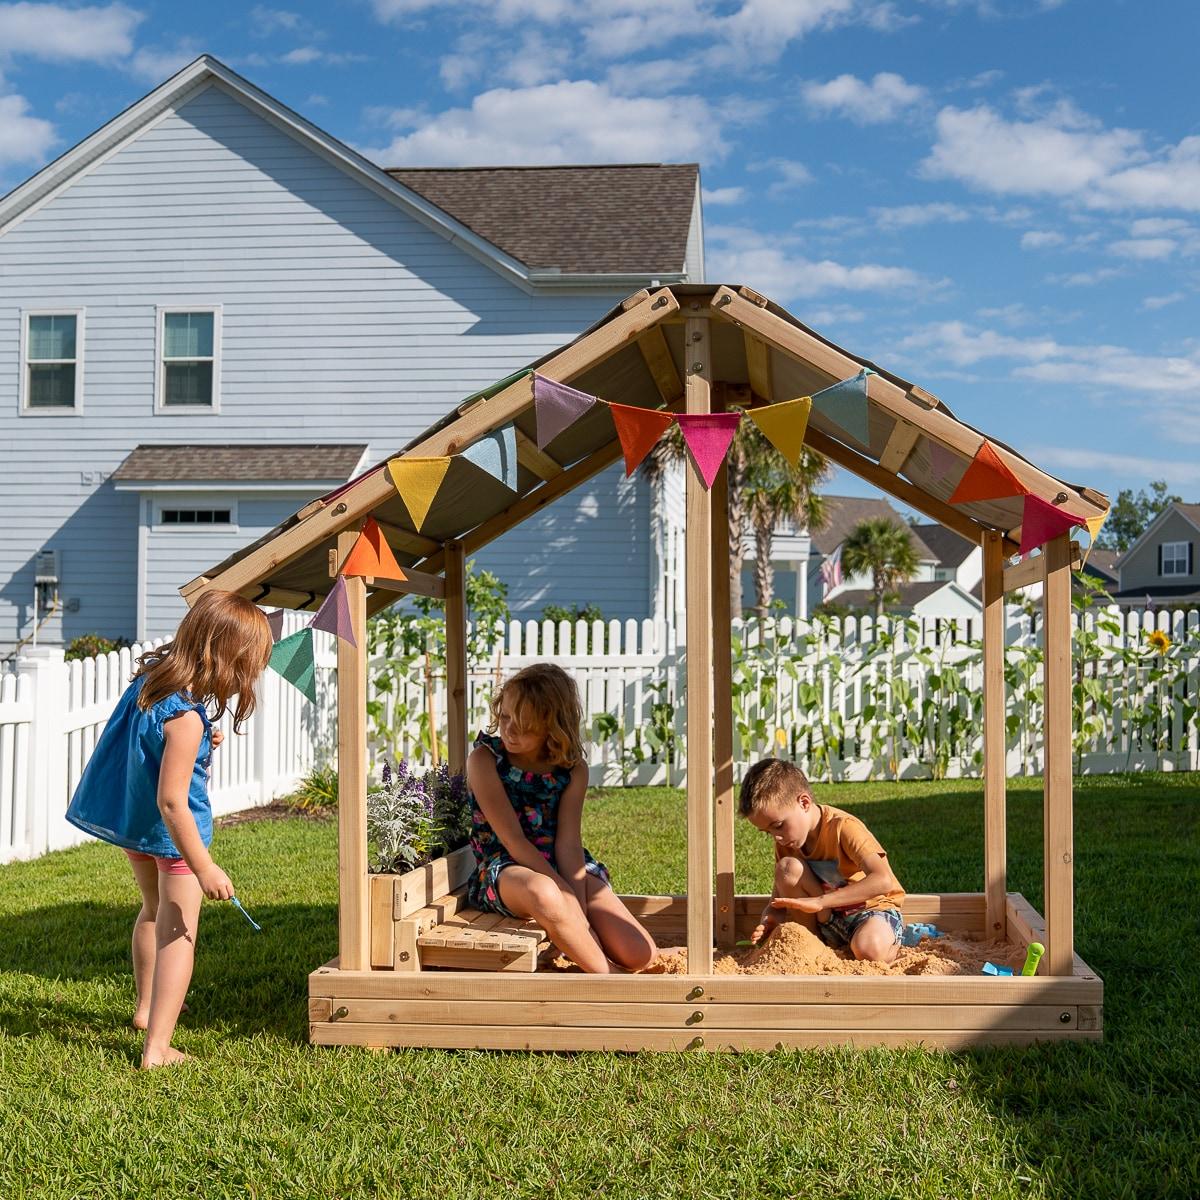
(636, 355)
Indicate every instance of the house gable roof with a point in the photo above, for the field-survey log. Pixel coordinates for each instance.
(950, 549)
(623, 219)
(910, 594)
(240, 463)
(844, 513)
(1189, 512)
(637, 355)
(207, 71)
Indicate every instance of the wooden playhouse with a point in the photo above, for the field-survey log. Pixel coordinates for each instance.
(403, 941)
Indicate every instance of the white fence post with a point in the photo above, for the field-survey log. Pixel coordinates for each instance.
(46, 670)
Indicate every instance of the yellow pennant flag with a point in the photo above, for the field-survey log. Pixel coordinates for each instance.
(1094, 525)
(783, 425)
(417, 480)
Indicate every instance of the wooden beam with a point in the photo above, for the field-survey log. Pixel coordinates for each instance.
(456, 658)
(865, 468)
(758, 366)
(483, 416)
(354, 933)
(836, 365)
(899, 446)
(1057, 833)
(653, 345)
(284, 597)
(725, 808)
(406, 541)
(995, 741)
(418, 583)
(699, 667)
(1031, 569)
(536, 461)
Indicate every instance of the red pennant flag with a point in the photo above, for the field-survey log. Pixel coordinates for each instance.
(708, 436)
(987, 478)
(1042, 523)
(371, 555)
(638, 429)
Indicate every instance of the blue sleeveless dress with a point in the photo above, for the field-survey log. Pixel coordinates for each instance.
(535, 801)
(117, 796)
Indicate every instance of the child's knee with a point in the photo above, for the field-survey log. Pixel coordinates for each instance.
(547, 899)
(874, 941)
(789, 872)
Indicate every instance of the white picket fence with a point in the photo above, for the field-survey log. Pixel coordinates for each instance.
(632, 680)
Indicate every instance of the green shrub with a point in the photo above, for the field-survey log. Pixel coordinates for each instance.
(317, 791)
(89, 645)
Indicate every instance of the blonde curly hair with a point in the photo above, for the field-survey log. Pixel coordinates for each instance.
(544, 698)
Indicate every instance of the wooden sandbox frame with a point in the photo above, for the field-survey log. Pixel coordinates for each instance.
(674, 336)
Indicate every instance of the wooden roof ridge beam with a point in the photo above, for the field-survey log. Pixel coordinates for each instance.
(361, 497)
(868, 469)
(536, 462)
(1030, 569)
(894, 400)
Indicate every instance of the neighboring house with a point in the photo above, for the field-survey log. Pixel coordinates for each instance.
(1101, 565)
(213, 311)
(1162, 567)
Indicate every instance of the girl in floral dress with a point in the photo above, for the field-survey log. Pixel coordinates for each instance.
(526, 780)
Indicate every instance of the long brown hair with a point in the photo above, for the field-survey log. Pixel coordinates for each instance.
(220, 649)
(544, 698)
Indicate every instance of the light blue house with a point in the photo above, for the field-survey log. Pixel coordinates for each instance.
(211, 311)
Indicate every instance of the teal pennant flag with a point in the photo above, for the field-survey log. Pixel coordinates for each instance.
(845, 404)
(496, 453)
(293, 658)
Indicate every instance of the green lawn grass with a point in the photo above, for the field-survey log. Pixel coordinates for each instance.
(262, 1114)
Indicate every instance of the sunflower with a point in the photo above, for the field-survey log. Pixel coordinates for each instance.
(1157, 640)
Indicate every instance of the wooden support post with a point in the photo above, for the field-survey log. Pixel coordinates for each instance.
(725, 807)
(354, 938)
(698, 365)
(995, 850)
(456, 657)
(1057, 835)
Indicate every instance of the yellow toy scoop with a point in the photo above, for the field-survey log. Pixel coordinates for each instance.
(1033, 956)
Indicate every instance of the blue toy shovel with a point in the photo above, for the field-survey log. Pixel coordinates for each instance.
(238, 905)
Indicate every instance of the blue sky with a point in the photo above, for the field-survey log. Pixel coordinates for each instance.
(999, 199)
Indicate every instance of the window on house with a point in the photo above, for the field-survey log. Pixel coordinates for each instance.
(1176, 558)
(189, 365)
(53, 370)
(195, 516)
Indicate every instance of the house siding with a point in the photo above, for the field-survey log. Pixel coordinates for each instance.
(344, 319)
(1140, 566)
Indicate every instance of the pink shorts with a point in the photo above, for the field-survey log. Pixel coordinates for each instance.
(168, 866)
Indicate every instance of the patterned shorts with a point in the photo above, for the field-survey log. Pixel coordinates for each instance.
(842, 926)
(483, 888)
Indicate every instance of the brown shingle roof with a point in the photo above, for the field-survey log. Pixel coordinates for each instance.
(911, 594)
(629, 218)
(845, 512)
(950, 548)
(309, 463)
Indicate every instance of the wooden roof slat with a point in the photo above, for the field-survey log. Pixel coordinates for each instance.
(653, 345)
(535, 461)
(900, 444)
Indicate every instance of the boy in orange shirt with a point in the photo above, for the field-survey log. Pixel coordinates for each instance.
(830, 872)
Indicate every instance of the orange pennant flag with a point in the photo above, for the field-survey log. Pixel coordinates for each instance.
(371, 555)
(638, 429)
(987, 478)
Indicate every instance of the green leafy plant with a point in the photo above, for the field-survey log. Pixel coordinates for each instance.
(318, 790)
(414, 818)
(89, 645)
(559, 612)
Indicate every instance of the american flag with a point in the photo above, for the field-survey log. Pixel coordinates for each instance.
(831, 570)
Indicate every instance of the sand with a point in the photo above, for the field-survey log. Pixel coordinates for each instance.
(792, 949)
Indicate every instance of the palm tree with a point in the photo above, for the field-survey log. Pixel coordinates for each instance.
(883, 548)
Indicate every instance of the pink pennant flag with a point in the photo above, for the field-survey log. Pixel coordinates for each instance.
(334, 615)
(555, 407)
(708, 436)
(1042, 522)
(941, 461)
(275, 621)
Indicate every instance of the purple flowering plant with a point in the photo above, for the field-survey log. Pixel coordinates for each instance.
(412, 818)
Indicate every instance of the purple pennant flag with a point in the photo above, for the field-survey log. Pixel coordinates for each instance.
(334, 615)
(555, 407)
(275, 620)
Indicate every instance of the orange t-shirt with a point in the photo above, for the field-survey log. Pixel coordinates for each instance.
(837, 851)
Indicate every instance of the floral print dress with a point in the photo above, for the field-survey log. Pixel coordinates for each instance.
(535, 800)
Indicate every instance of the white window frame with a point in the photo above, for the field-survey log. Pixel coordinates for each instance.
(1178, 550)
(63, 311)
(160, 376)
(168, 501)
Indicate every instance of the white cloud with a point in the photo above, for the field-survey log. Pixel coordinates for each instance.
(1084, 278)
(1152, 303)
(303, 56)
(964, 345)
(1158, 226)
(791, 174)
(568, 122)
(24, 138)
(725, 195)
(906, 216)
(1176, 472)
(154, 64)
(1144, 249)
(56, 33)
(1041, 239)
(885, 98)
(266, 21)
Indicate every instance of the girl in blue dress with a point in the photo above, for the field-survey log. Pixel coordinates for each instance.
(145, 789)
(526, 781)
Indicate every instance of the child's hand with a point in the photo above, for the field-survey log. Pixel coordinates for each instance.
(217, 738)
(804, 904)
(765, 926)
(215, 883)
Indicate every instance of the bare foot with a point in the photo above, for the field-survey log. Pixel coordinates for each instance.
(141, 1018)
(167, 1058)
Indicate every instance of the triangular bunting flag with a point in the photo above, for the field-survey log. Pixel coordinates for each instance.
(334, 615)
(555, 406)
(293, 659)
(417, 480)
(496, 453)
(638, 430)
(1094, 525)
(987, 478)
(941, 461)
(783, 425)
(708, 436)
(1041, 522)
(845, 404)
(275, 621)
(371, 555)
